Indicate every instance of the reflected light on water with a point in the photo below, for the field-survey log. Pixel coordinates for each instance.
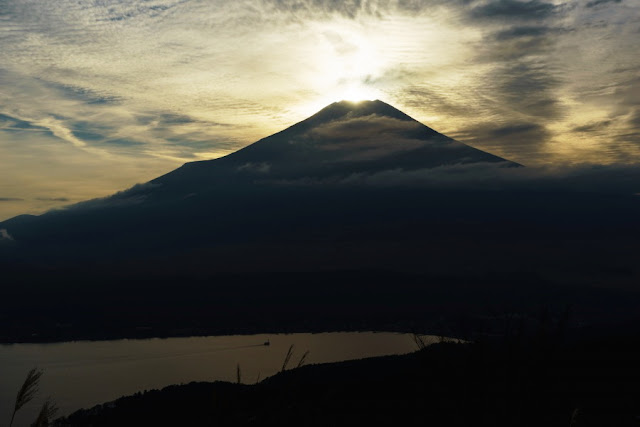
(83, 374)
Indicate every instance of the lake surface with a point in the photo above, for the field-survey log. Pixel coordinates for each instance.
(85, 373)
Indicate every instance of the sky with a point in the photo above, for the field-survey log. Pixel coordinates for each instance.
(96, 96)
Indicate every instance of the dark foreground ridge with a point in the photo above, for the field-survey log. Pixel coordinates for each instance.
(526, 381)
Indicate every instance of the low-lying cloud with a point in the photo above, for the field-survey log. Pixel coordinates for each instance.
(53, 199)
(4, 234)
(367, 137)
(131, 196)
(615, 179)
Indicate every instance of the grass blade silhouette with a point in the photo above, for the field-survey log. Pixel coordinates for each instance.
(27, 392)
(287, 358)
(421, 343)
(47, 412)
(303, 359)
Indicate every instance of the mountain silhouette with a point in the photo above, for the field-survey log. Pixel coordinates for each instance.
(342, 139)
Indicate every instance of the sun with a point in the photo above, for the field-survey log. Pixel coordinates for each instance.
(357, 93)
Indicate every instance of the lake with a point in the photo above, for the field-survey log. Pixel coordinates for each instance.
(85, 373)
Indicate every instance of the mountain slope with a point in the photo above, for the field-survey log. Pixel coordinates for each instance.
(342, 139)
